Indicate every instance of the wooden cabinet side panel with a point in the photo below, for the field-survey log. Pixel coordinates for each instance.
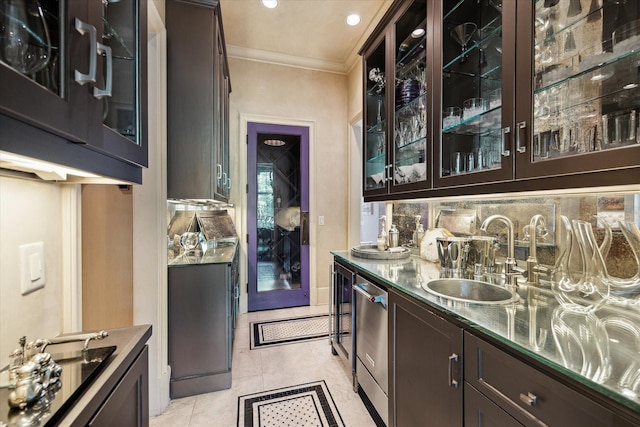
(421, 343)
(107, 257)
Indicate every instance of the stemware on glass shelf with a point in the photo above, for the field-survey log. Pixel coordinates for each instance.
(25, 44)
(463, 33)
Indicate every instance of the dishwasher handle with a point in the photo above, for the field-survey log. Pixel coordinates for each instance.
(380, 299)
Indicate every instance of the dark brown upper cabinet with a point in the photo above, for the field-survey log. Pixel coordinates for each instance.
(75, 73)
(518, 95)
(198, 89)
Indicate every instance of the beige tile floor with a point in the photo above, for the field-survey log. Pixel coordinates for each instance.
(267, 369)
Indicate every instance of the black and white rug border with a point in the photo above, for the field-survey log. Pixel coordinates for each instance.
(319, 388)
(256, 341)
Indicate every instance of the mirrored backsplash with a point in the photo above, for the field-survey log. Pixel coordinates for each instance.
(464, 217)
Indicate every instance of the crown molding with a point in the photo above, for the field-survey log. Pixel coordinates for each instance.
(285, 59)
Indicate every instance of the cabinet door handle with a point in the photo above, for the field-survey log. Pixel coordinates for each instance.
(108, 79)
(389, 172)
(506, 142)
(229, 183)
(224, 179)
(529, 398)
(521, 129)
(219, 171)
(83, 28)
(453, 358)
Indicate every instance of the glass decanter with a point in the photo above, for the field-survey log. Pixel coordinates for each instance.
(592, 287)
(624, 288)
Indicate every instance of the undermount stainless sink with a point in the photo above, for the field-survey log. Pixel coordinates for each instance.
(470, 291)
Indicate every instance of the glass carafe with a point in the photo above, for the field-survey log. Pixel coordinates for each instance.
(24, 36)
(628, 287)
(591, 288)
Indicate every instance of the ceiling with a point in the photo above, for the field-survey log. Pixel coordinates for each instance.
(303, 33)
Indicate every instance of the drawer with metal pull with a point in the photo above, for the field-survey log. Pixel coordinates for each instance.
(527, 394)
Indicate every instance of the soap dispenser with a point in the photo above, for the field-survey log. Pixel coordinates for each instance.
(382, 236)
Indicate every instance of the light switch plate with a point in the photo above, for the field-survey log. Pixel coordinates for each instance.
(32, 275)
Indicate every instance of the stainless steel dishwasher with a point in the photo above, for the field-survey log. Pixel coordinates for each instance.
(371, 344)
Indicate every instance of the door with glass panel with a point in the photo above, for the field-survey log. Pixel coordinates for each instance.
(410, 100)
(475, 97)
(41, 81)
(277, 216)
(118, 101)
(376, 167)
(583, 75)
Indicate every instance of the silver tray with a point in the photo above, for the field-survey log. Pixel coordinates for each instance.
(372, 252)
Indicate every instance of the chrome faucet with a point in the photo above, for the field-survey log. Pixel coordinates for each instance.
(533, 267)
(511, 270)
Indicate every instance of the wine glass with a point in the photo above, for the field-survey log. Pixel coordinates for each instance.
(24, 36)
(462, 34)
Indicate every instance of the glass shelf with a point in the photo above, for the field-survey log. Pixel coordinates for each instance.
(415, 102)
(453, 9)
(479, 124)
(604, 60)
(376, 90)
(412, 144)
(476, 45)
(120, 48)
(378, 158)
(567, 26)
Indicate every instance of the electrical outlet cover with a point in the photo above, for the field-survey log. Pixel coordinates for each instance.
(32, 275)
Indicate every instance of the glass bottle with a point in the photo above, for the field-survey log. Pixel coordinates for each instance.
(382, 236)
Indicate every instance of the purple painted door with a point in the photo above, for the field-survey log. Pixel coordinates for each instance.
(277, 216)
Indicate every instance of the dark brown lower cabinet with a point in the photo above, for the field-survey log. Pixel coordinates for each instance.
(482, 412)
(128, 403)
(529, 395)
(425, 366)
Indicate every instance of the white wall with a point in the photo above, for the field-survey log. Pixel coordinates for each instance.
(30, 211)
(279, 94)
(150, 224)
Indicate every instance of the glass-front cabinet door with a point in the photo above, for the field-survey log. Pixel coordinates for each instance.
(475, 108)
(44, 56)
(376, 168)
(119, 94)
(585, 83)
(410, 126)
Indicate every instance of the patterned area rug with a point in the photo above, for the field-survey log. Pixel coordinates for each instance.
(287, 331)
(308, 404)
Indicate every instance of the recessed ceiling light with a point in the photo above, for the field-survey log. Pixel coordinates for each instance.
(417, 33)
(353, 19)
(630, 86)
(270, 4)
